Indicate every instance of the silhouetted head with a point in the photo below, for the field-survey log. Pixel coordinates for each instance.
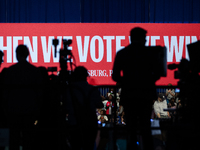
(138, 35)
(80, 74)
(1, 57)
(22, 53)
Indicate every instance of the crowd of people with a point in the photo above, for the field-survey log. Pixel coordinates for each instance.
(166, 101)
(33, 107)
(36, 108)
(107, 113)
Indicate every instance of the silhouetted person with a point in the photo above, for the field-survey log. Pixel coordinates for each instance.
(189, 84)
(82, 110)
(1, 57)
(47, 125)
(138, 87)
(2, 115)
(1, 112)
(22, 98)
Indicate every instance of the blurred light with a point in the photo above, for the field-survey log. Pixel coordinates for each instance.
(177, 90)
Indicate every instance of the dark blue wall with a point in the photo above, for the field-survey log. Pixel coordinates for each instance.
(105, 11)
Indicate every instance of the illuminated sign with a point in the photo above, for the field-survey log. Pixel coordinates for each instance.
(94, 45)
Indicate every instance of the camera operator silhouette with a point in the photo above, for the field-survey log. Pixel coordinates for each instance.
(133, 71)
(81, 107)
(22, 98)
(188, 114)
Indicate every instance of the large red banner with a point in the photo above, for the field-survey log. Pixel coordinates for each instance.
(94, 45)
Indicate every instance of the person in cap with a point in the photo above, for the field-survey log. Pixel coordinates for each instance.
(159, 105)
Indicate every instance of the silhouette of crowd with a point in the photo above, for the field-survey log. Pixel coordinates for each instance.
(38, 110)
(46, 112)
(42, 114)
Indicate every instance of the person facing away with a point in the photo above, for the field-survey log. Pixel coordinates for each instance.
(22, 98)
(81, 106)
(134, 71)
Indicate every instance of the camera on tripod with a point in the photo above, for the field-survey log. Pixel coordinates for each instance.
(65, 57)
(65, 51)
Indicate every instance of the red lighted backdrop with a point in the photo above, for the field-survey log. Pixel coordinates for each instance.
(94, 44)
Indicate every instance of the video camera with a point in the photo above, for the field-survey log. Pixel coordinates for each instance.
(65, 57)
(188, 66)
(189, 81)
